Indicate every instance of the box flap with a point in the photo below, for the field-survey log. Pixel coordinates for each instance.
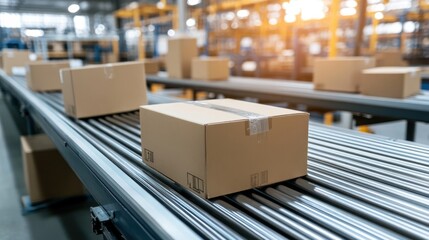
(202, 115)
(36, 143)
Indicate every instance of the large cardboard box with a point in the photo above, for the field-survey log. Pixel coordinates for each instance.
(390, 59)
(222, 146)
(45, 76)
(210, 68)
(47, 175)
(16, 58)
(393, 82)
(103, 89)
(180, 53)
(340, 74)
(151, 66)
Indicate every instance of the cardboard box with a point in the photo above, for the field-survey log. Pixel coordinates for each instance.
(45, 76)
(212, 149)
(180, 53)
(151, 66)
(47, 174)
(16, 58)
(210, 68)
(390, 58)
(103, 89)
(393, 82)
(57, 47)
(340, 74)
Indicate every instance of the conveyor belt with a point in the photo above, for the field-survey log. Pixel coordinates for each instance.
(415, 108)
(359, 186)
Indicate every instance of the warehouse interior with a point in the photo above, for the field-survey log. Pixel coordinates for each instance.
(210, 119)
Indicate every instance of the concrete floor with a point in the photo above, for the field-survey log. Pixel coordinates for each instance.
(66, 222)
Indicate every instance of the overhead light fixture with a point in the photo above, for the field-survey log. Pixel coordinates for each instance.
(350, 4)
(193, 2)
(160, 5)
(171, 32)
(290, 18)
(348, 11)
(273, 21)
(151, 28)
(191, 22)
(378, 15)
(73, 8)
(243, 13)
(34, 32)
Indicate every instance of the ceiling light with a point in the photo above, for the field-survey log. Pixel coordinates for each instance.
(243, 13)
(160, 5)
(190, 22)
(378, 15)
(273, 21)
(348, 11)
(290, 18)
(171, 32)
(193, 2)
(73, 8)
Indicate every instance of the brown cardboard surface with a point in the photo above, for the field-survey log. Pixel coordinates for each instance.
(151, 66)
(340, 74)
(390, 58)
(47, 175)
(210, 68)
(45, 76)
(211, 152)
(14, 58)
(180, 53)
(393, 82)
(103, 89)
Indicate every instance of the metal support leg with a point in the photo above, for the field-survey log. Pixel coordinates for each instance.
(411, 130)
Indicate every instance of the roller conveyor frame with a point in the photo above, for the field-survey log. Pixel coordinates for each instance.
(389, 201)
(412, 109)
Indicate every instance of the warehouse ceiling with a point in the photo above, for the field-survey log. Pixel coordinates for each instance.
(60, 6)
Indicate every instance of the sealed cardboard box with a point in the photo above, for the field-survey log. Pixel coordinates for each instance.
(103, 89)
(390, 58)
(151, 66)
(222, 146)
(340, 74)
(16, 58)
(210, 68)
(45, 76)
(393, 82)
(47, 174)
(180, 53)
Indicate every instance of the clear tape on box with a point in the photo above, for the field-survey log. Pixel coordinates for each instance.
(258, 124)
(108, 71)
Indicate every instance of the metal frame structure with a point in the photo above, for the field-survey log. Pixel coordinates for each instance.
(358, 186)
(122, 198)
(412, 109)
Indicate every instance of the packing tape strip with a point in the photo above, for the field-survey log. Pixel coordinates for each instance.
(257, 123)
(108, 71)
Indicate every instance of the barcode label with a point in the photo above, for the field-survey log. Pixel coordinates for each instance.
(195, 183)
